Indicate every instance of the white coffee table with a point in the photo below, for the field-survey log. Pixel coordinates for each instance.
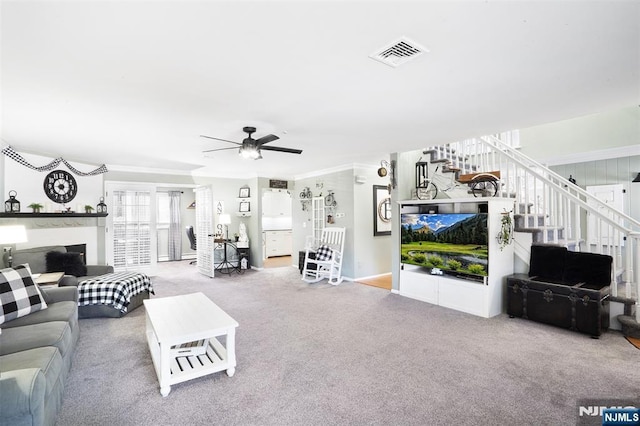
(182, 331)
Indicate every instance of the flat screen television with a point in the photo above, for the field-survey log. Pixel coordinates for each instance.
(453, 244)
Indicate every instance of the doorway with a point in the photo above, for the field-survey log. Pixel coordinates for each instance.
(277, 237)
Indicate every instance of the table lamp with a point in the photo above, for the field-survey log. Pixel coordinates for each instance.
(225, 219)
(12, 234)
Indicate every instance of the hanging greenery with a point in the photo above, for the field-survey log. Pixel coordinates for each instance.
(505, 236)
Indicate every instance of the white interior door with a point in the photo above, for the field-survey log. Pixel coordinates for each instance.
(204, 230)
(597, 231)
(131, 228)
(317, 218)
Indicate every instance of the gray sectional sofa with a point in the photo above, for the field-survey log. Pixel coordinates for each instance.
(36, 351)
(37, 260)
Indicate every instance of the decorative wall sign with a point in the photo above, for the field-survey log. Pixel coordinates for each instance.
(60, 186)
(278, 184)
(381, 211)
(11, 153)
(219, 211)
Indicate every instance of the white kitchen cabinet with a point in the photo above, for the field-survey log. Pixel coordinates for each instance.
(276, 204)
(278, 243)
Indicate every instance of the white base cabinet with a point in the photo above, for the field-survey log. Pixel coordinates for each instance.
(278, 243)
(461, 295)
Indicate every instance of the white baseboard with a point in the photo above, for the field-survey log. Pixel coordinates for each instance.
(372, 276)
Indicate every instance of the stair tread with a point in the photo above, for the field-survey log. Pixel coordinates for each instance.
(629, 321)
(624, 300)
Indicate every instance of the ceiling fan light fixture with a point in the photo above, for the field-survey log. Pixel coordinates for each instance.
(250, 153)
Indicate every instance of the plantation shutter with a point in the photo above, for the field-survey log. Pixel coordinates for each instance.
(132, 229)
(204, 230)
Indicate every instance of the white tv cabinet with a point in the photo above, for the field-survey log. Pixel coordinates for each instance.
(473, 297)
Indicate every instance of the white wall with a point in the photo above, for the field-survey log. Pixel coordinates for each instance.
(612, 129)
(341, 183)
(29, 184)
(365, 255)
(372, 254)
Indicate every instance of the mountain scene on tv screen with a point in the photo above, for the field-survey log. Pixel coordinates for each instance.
(452, 243)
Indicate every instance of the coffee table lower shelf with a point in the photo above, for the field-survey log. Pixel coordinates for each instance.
(189, 367)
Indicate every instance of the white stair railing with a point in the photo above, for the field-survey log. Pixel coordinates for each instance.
(555, 206)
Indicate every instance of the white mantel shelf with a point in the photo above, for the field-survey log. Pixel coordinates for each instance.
(53, 220)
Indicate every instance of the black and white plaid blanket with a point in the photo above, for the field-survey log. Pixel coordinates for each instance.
(114, 289)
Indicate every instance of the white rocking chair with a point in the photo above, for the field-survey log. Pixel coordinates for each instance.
(328, 258)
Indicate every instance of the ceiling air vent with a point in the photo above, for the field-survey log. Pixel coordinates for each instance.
(398, 52)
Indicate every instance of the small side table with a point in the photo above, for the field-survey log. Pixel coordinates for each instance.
(226, 266)
(49, 279)
(244, 253)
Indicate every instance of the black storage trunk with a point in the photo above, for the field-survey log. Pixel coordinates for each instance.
(575, 307)
(563, 288)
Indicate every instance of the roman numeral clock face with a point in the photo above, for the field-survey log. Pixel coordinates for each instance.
(60, 186)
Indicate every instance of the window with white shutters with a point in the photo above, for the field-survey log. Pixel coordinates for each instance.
(132, 230)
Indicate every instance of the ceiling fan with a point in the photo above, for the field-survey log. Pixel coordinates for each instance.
(250, 148)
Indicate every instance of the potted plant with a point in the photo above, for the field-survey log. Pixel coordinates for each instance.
(236, 236)
(505, 235)
(88, 209)
(36, 207)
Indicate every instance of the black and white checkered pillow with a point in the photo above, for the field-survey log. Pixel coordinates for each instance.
(323, 253)
(19, 295)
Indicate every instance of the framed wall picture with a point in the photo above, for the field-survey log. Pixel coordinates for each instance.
(245, 206)
(244, 193)
(381, 211)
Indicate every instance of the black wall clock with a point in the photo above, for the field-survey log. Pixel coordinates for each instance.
(60, 186)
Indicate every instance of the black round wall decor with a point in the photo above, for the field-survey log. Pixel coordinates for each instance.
(60, 186)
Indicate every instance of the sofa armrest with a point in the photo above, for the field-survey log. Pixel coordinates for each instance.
(60, 294)
(68, 281)
(22, 395)
(95, 270)
(92, 271)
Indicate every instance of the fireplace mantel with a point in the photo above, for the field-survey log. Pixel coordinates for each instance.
(53, 220)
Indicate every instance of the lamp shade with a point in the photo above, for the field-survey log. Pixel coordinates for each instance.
(13, 234)
(225, 219)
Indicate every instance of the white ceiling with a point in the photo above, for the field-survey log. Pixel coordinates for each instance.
(134, 83)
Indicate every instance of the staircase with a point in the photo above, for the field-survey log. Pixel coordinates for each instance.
(547, 206)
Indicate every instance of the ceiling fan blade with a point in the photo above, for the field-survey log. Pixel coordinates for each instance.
(266, 139)
(281, 149)
(220, 149)
(218, 139)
